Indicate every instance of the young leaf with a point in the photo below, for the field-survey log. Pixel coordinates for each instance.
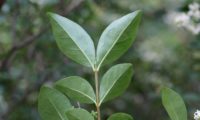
(174, 104)
(52, 105)
(120, 116)
(117, 38)
(76, 88)
(79, 114)
(72, 40)
(115, 81)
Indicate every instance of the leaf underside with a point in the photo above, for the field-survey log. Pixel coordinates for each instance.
(52, 105)
(73, 40)
(117, 38)
(115, 81)
(77, 88)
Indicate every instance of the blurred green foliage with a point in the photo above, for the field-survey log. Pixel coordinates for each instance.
(161, 55)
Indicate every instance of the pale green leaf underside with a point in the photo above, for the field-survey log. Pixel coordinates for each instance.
(76, 88)
(73, 40)
(117, 38)
(79, 114)
(115, 81)
(52, 105)
(174, 104)
(120, 116)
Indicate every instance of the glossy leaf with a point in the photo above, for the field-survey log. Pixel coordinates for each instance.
(72, 40)
(115, 81)
(174, 104)
(52, 104)
(79, 114)
(117, 38)
(77, 88)
(120, 116)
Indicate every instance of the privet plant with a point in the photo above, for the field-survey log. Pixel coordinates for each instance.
(75, 43)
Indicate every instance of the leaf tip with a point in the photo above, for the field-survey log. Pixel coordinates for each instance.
(52, 15)
(129, 65)
(164, 89)
(137, 14)
(49, 14)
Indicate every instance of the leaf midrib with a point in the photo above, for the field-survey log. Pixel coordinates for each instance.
(79, 92)
(113, 45)
(112, 86)
(77, 45)
(59, 114)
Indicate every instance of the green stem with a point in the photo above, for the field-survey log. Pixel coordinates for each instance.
(97, 95)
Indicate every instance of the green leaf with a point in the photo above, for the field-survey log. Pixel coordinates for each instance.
(73, 40)
(77, 88)
(120, 116)
(115, 81)
(79, 114)
(174, 104)
(52, 105)
(117, 38)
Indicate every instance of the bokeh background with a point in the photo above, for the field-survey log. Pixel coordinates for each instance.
(163, 54)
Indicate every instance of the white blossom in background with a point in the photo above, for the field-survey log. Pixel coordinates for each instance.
(189, 20)
(182, 19)
(197, 115)
(194, 11)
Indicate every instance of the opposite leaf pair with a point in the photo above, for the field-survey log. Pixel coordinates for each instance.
(54, 103)
(75, 43)
(113, 83)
